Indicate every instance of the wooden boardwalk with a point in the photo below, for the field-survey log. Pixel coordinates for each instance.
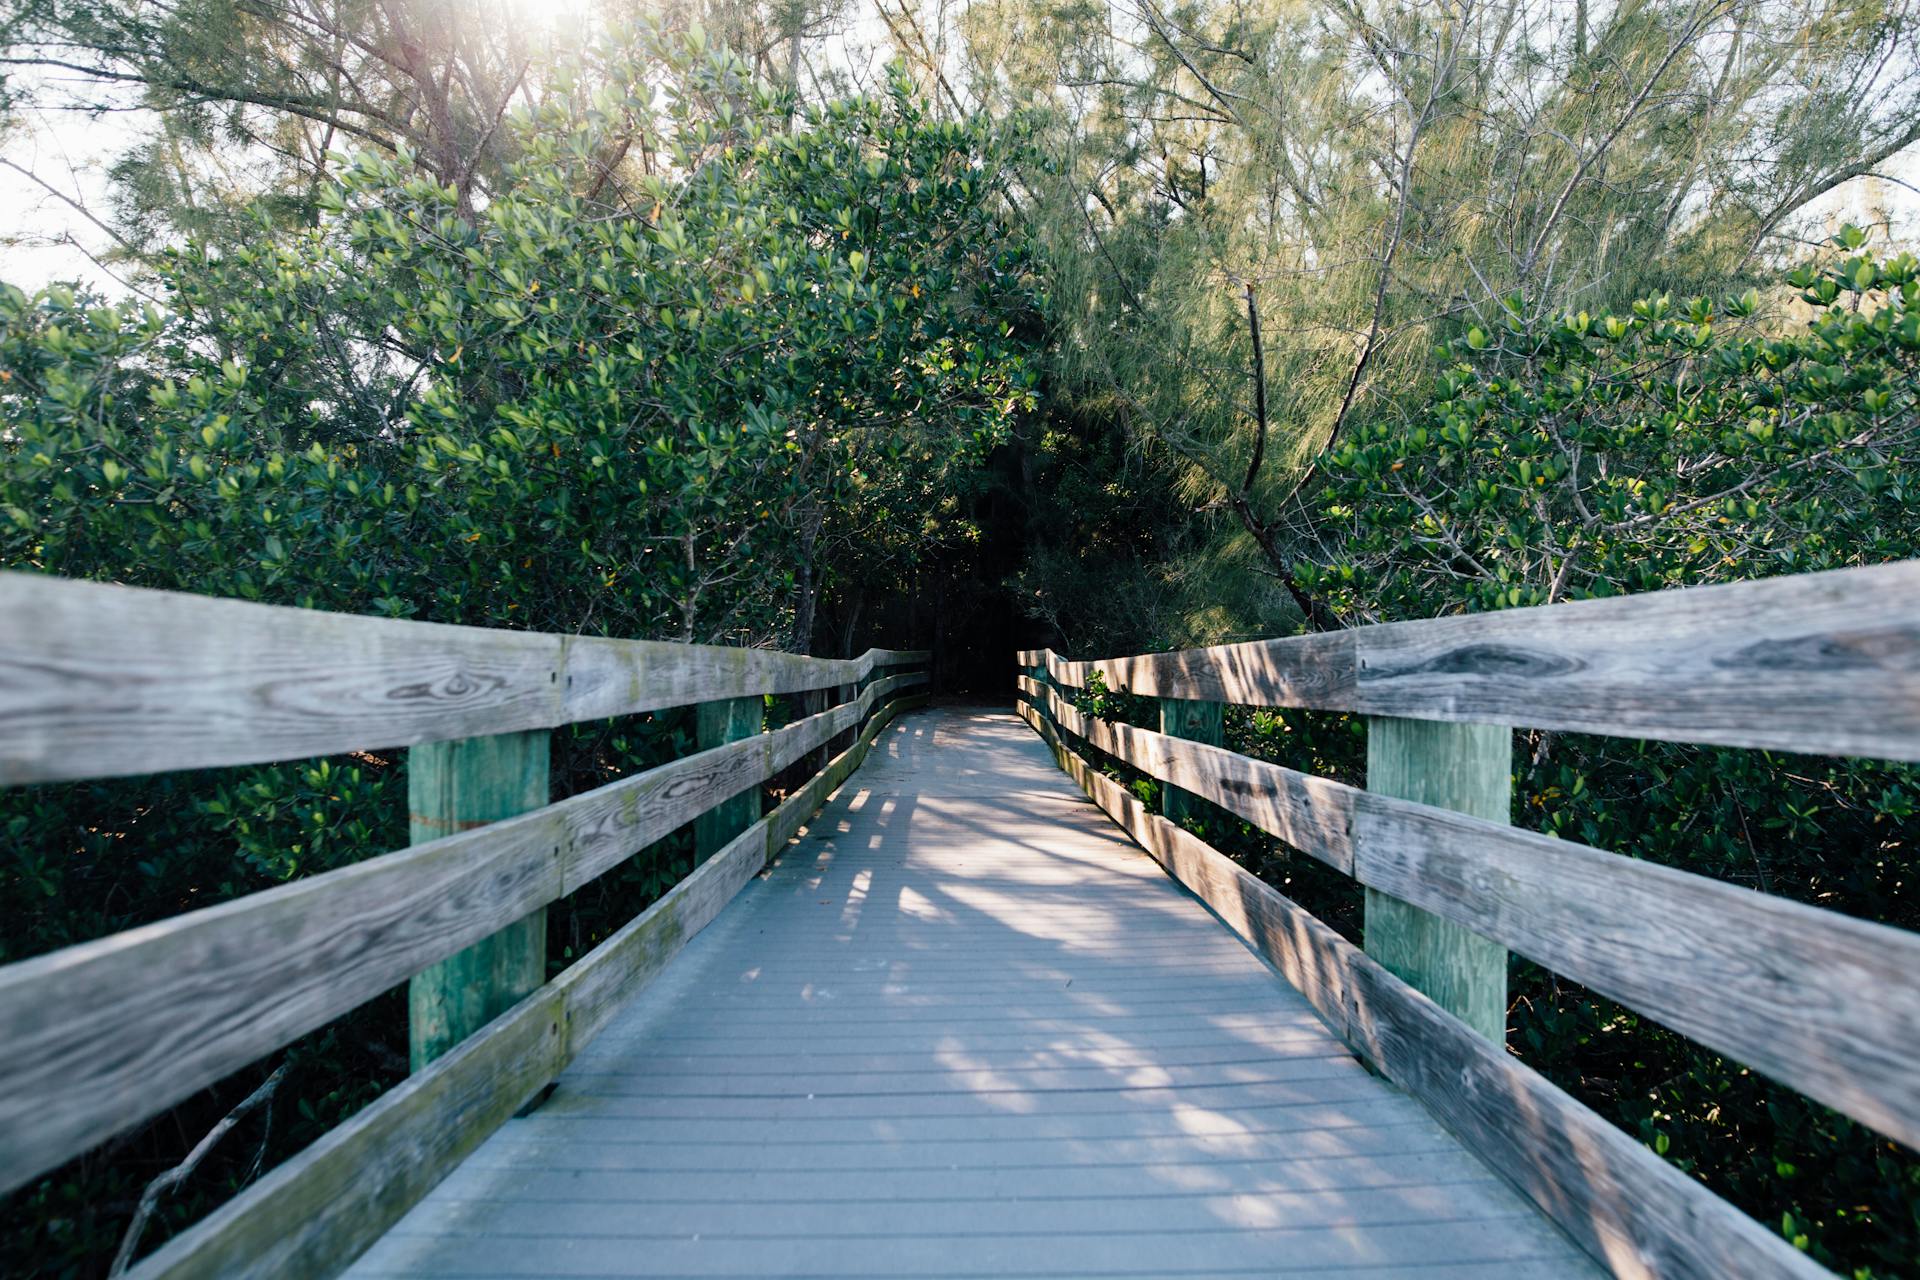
(965, 1028)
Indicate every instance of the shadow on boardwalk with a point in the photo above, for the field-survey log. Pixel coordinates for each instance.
(964, 1028)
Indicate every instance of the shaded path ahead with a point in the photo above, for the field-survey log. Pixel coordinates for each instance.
(965, 1028)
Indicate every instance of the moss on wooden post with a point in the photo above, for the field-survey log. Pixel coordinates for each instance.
(1199, 722)
(452, 786)
(718, 723)
(1469, 768)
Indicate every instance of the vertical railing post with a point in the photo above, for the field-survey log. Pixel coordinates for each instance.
(1200, 722)
(843, 693)
(849, 692)
(1043, 675)
(452, 786)
(1469, 768)
(812, 703)
(718, 723)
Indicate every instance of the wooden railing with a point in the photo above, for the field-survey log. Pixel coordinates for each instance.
(1827, 1004)
(100, 681)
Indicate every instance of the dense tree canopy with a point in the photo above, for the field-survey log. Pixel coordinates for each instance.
(1373, 179)
(631, 400)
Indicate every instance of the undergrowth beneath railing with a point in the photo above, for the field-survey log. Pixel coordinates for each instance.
(90, 859)
(1833, 833)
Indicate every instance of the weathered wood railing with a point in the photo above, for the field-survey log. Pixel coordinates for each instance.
(1827, 1004)
(101, 681)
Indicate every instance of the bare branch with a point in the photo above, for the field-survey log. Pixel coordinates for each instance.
(150, 1198)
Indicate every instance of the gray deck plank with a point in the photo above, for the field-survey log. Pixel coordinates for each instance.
(963, 1028)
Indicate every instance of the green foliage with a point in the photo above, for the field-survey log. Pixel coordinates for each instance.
(1579, 455)
(245, 111)
(626, 405)
(1112, 564)
(1326, 744)
(1673, 443)
(1365, 174)
(1096, 698)
(662, 351)
(694, 357)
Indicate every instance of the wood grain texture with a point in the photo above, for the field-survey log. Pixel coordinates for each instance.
(102, 681)
(313, 1215)
(1198, 722)
(1629, 1209)
(786, 821)
(715, 725)
(1826, 663)
(455, 786)
(1825, 1003)
(1632, 1211)
(1463, 767)
(1306, 952)
(1297, 671)
(310, 1216)
(898, 658)
(100, 1036)
(812, 702)
(877, 691)
(612, 823)
(1311, 814)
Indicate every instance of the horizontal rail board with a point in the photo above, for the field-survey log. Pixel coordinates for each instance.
(1312, 814)
(102, 1035)
(795, 811)
(1826, 663)
(1631, 1210)
(1825, 1003)
(321, 1209)
(102, 681)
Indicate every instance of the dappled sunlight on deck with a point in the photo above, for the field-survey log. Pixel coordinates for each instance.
(962, 1028)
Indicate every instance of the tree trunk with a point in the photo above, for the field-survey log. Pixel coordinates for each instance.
(807, 604)
(849, 627)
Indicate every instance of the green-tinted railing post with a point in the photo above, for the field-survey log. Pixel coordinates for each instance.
(1048, 685)
(847, 693)
(1467, 767)
(812, 703)
(1200, 722)
(452, 786)
(718, 723)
